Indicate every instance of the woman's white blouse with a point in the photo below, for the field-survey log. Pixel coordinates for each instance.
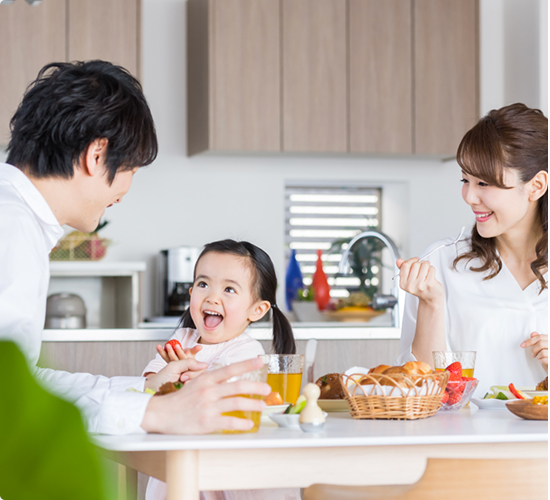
(491, 317)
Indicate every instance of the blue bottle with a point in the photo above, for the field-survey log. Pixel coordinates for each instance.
(293, 279)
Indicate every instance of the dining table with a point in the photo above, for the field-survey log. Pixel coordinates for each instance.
(346, 451)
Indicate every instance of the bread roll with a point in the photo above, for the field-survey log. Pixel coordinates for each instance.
(405, 370)
(418, 367)
(379, 369)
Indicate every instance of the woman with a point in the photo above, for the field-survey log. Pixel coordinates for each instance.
(488, 293)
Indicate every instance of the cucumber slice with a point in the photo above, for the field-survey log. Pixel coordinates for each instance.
(298, 407)
(501, 395)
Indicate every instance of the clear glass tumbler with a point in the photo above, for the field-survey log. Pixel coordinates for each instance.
(467, 359)
(285, 374)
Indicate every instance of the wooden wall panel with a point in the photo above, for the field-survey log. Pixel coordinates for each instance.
(30, 37)
(446, 100)
(130, 358)
(315, 116)
(380, 76)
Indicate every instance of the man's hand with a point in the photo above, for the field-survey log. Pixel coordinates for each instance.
(198, 406)
(181, 371)
(539, 348)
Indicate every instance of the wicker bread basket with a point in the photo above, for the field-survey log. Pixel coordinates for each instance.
(395, 396)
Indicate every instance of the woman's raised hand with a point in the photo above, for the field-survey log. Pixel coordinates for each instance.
(418, 278)
(539, 348)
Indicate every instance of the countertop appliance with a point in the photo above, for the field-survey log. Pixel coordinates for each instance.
(65, 310)
(176, 266)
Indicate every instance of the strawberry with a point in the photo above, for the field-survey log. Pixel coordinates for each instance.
(453, 377)
(445, 397)
(454, 398)
(173, 343)
(456, 386)
(455, 368)
(467, 379)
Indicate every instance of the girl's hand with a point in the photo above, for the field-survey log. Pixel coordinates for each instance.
(418, 278)
(539, 348)
(169, 354)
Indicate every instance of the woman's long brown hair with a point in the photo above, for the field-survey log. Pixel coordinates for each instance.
(514, 137)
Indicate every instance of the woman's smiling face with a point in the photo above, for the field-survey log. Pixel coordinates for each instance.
(498, 210)
(222, 301)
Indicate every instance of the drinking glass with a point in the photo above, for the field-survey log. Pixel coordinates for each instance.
(285, 374)
(467, 359)
(259, 375)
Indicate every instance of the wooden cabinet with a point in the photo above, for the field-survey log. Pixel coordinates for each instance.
(355, 76)
(315, 94)
(30, 37)
(446, 90)
(105, 29)
(380, 76)
(62, 30)
(234, 79)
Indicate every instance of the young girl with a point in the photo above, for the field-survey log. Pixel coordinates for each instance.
(234, 285)
(489, 292)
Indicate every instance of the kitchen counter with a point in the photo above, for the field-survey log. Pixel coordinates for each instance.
(302, 331)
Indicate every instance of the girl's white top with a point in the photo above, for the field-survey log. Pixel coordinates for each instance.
(234, 350)
(491, 317)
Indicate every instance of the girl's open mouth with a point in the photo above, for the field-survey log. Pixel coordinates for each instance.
(211, 319)
(483, 216)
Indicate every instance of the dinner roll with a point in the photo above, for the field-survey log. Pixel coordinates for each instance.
(379, 369)
(418, 367)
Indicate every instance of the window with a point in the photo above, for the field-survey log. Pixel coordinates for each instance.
(317, 216)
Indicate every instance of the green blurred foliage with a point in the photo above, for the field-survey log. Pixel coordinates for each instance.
(44, 450)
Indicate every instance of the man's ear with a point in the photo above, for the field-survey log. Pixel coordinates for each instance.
(93, 160)
(259, 310)
(538, 185)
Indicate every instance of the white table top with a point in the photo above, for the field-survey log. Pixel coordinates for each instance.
(464, 426)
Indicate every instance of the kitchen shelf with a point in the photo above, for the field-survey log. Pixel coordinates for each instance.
(111, 290)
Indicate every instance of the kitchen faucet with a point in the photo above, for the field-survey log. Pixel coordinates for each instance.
(397, 298)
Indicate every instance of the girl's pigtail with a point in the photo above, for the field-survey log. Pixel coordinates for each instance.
(283, 338)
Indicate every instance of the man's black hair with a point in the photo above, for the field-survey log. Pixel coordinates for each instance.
(69, 106)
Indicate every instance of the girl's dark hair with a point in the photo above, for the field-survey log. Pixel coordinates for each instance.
(264, 287)
(69, 106)
(514, 137)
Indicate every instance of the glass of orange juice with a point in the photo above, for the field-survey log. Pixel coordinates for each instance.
(259, 375)
(285, 374)
(467, 359)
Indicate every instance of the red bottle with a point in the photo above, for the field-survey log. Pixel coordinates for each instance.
(320, 285)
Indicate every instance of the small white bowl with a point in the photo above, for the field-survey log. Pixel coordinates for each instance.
(268, 410)
(288, 421)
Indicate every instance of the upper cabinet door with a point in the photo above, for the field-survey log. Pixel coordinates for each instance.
(30, 37)
(446, 100)
(246, 80)
(315, 94)
(380, 50)
(105, 29)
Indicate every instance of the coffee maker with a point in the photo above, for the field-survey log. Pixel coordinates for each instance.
(176, 266)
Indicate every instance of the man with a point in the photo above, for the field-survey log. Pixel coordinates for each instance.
(79, 135)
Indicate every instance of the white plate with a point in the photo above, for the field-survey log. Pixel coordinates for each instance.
(531, 394)
(490, 404)
(268, 410)
(333, 405)
(288, 421)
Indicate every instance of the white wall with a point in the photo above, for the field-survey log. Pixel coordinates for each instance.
(191, 201)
